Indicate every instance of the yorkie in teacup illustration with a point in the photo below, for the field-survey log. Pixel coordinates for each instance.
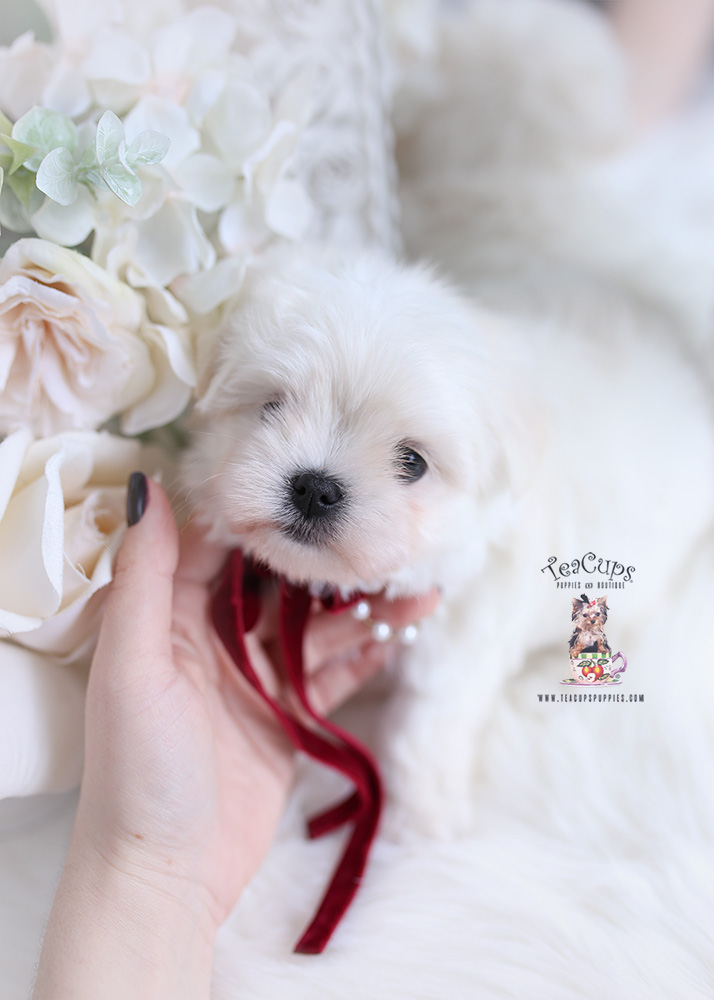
(591, 658)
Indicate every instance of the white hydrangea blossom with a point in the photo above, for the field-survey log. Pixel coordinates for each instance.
(156, 138)
(169, 141)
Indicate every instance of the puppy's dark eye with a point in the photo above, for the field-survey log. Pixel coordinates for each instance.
(410, 465)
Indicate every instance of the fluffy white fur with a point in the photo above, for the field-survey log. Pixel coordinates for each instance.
(362, 355)
(551, 424)
(354, 356)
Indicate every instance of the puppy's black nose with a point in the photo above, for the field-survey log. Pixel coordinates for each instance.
(315, 494)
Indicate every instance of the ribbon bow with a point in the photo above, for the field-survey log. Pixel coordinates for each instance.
(235, 611)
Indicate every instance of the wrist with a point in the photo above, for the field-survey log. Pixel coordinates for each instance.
(168, 866)
(140, 889)
(124, 931)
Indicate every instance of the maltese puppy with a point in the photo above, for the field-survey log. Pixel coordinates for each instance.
(358, 428)
(363, 426)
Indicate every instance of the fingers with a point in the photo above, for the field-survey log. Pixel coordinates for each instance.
(136, 624)
(333, 635)
(336, 682)
(340, 654)
(200, 561)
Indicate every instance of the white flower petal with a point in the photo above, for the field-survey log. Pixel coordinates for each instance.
(66, 90)
(58, 532)
(155, 185)
(265, 165)
(115, 55)
(67, 225)
(162, 307)
(143, 19)
(169, 399)
(12, 454)
(205, 291)
(171, 243)
(36, 592)
(206, 181)
(43, 261)
(79, 354)
(242, 229)
(41, 723)
(24, 70)
(114, 95)
(174, 378)
(76, 20)
(238, 121)
(199, 39)
(170, 120)
(204, 93)
(175, 345)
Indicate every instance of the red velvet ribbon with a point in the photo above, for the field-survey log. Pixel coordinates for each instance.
(235, 611)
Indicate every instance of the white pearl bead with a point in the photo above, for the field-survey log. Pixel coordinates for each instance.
(382, 632)
(408, 635)
(361, 611)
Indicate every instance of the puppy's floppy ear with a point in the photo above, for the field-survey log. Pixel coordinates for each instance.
(602, 601)
(251, 316)
(207, 348)
(578, 606)
(210, 351)
(219, 346)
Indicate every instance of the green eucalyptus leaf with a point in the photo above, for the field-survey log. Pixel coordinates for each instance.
(148, 147)
(57, 177)
(13, 215)
(23, 186)
(110, 136)
(45, 130)
(92, 177)
(88, 159)
(21, 152)
(123, 182)
(5, 125)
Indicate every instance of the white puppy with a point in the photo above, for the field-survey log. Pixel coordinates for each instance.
(358, 430)
(371, 385)
(365, 427)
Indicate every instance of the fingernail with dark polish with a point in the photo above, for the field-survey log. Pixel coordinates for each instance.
(136, 497)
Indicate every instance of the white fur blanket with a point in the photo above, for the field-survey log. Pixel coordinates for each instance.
(590, 876)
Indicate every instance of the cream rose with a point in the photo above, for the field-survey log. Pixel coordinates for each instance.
(62, 516)
(41, 722)
(76, 347)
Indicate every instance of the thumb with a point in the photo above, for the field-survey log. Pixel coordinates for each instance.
(135, 634)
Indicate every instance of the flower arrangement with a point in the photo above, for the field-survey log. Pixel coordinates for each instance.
(143, 161)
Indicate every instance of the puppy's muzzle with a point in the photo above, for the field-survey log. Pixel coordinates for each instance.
(318, 500)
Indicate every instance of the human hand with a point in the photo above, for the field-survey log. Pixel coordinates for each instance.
(186, 770)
